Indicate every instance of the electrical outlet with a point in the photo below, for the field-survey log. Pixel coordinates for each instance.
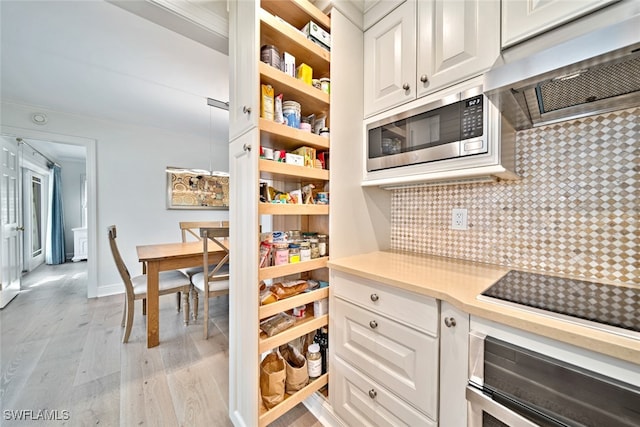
(459, 219)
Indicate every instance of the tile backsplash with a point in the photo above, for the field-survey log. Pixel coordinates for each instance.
(575, 210)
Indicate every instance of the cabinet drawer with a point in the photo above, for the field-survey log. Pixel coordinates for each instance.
(399, 357)
(412, 309)
(360, 401)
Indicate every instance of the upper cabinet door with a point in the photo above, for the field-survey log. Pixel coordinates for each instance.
(390, 60)
(244, 107)
(457, 40)
(522, 19)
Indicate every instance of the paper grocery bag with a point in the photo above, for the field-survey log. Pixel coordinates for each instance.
(272, 377)
(297, 377)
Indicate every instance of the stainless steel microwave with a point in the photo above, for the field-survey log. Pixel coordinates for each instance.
(451, 127)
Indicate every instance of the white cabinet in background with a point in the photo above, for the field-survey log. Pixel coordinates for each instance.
(522, 19)
(421, 47)
(80, 244)
(454, 354)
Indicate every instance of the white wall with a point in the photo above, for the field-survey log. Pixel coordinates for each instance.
(131, 181)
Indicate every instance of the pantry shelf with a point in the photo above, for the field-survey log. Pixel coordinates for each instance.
(267, 416)
(275, 32)
(311, 99)
(288, 269)
(292, 209)
(297, 13)
(303, 326)
(279, 136)
(294, 301)
(280, 171)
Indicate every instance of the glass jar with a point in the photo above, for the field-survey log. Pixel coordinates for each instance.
(294, 253)
(315, 249)
(305, 251)
(280, 253)
(323, 244)
(314, 361)
(294, 236)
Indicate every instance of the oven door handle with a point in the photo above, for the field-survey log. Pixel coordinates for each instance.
(479, 402)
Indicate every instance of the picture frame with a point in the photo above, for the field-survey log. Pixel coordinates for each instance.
(196, 189)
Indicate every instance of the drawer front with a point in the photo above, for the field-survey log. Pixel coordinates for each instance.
(416, 310)
(360, 401)
(400, 358)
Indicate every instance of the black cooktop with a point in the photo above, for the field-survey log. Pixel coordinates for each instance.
(612, 305)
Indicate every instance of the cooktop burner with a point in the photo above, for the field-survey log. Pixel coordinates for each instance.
(617, 306)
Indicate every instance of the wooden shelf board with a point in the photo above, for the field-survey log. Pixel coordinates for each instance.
(297, 12)
(291, 209)
(303, 326)
(312, 100)
(279, 171)
(279, 34)
(294, 301)
(279, 136)
(267, 416)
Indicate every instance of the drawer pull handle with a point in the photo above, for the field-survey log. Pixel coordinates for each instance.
(373, 393)
(374, 297)
(373, 324)
(450, 322)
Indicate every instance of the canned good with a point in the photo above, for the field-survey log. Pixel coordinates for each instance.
(291, 112)
(269, 54)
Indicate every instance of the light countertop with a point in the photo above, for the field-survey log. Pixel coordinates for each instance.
(459, 282)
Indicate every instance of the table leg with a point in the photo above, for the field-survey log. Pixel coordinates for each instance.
(153, 309)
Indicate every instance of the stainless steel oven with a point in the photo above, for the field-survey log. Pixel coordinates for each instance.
(517, 387)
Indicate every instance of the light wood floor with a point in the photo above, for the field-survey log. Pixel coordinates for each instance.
(61, 351)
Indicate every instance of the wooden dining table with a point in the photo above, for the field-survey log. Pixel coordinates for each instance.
(169, 256)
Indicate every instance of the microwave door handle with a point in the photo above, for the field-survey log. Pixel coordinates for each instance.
(479, 402)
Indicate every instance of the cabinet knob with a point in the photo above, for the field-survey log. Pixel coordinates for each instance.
(246, 110)
(406, 86)
(246, 147)
(19, 228)
(373, 393)
(424, 78)
(373, 324)
(374, 297)
(450, 322)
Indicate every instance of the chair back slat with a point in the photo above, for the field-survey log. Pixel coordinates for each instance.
(122, 268)
(190, 229)
(214, 234)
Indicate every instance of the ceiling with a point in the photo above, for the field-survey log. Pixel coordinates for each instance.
(93, 58)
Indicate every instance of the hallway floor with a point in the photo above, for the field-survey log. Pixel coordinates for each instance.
(62, 352)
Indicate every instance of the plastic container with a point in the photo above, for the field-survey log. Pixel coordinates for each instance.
(314, 361)
(291, 112)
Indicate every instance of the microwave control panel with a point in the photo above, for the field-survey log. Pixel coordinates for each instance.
(471, 120)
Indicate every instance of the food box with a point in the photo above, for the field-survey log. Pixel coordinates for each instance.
(308, 154)
(317, 35)
(288, 64)
(294, 159)
(305, 73)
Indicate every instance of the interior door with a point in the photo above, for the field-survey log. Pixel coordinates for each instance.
(10, 229)
(34, 192)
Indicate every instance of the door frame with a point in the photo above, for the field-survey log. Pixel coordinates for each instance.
(29, 171)
(90, 170)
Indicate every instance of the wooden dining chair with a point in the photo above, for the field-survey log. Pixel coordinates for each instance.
(190, 231)
(170, 282)
(216, 282)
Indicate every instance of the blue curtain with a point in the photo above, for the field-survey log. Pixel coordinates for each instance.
(55, 253)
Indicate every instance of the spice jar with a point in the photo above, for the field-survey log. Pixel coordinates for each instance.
(294, 253)
(314, 361)
(305, 251)
(294, 236)
(314, 248)
(280, 253)
(322, 244)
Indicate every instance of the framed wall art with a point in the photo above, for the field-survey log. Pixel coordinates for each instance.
(197, 189)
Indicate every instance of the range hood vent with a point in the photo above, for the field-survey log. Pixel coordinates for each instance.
(592, 74)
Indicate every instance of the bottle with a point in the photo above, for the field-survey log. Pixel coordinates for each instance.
(322, 244)
(314, 361)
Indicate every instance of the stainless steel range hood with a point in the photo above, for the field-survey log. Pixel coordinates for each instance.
(591, 74)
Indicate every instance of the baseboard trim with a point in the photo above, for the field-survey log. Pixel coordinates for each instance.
(107, 290)
(320, 407)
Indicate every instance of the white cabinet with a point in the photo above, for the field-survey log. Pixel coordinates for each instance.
(408, 57)
(390, 60)
(454, 353)
(80, 244)
(384, 345)
(522, 19)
